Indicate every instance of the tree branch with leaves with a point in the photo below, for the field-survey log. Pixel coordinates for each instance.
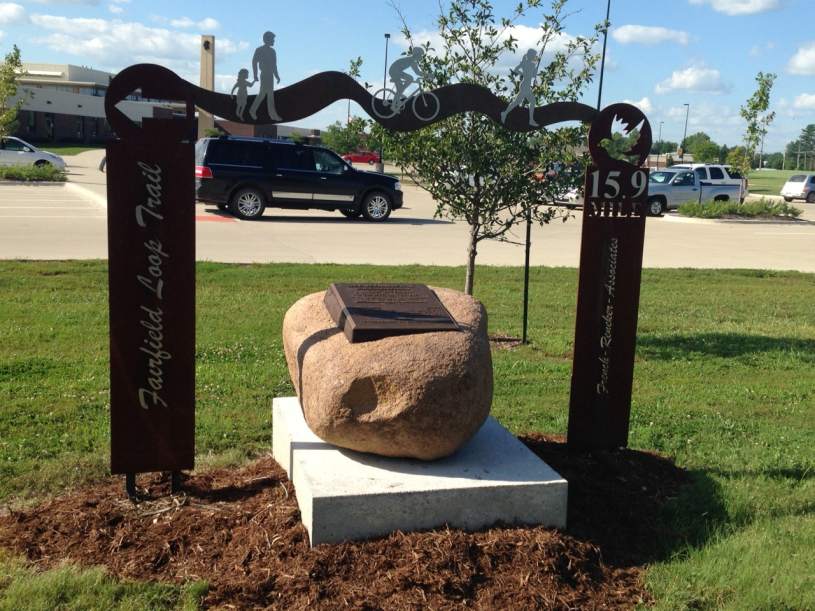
(10, 71)
(476, 170)
(755, 113)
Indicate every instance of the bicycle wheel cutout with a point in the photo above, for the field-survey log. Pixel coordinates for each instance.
(426, 105)
(382, 103)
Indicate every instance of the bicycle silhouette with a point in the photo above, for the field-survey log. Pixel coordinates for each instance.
(424, 104)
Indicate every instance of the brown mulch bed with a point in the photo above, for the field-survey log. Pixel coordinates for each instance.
(239, 529)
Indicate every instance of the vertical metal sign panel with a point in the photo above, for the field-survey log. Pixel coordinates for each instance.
(151, 245)
(609, 287)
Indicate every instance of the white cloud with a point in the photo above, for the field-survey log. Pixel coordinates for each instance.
(740, 7)
(803, 62)
(804, 101)
(644, 105)
(185, 23)
(115, 9)
(11, 12)
(115, 43)
(526, 37)
(2, 33)
(759, 50)
(694, 78)
(648, 35)
(91, 2)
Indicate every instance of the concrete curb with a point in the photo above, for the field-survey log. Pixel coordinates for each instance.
(673, 218)
(31, 183)
(88, 194)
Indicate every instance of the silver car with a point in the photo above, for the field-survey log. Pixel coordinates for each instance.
(799, 186)
(14, 151)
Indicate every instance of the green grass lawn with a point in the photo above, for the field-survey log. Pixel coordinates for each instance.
(769, 182)
(67, 149)
(724, 382)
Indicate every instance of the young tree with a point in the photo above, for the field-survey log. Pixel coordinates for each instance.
(739, 158)
(755, 113)
(353, 71)
(475, 169)
(10, 71)
(346, 138)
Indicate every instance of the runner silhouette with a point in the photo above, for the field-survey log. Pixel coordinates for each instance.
(528, 68)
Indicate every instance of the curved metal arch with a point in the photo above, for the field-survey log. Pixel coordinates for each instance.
(314, 93)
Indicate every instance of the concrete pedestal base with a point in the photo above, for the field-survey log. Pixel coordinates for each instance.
(346, 495)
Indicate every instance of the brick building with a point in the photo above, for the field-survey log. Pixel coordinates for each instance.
(66, 103)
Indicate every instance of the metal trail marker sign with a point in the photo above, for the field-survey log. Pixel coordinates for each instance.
(151, 232)
(614, 212)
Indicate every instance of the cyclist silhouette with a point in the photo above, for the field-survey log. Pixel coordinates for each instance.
(399, 76)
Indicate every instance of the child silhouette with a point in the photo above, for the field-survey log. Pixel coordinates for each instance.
(242, 85)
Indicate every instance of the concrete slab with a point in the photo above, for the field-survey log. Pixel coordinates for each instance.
(345, 495)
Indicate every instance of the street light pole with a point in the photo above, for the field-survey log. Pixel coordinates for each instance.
(381, 164)
(659, 143)
(685, 133)
(603, 60)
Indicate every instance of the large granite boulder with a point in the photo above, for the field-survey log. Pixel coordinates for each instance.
(421, 396)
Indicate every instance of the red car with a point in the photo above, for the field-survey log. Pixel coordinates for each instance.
(368, 157)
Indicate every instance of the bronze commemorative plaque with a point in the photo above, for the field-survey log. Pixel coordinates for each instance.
(367, 312)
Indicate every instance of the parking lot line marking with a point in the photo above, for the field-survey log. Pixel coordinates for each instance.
(215, 219)
(42, 216)
(778, 233)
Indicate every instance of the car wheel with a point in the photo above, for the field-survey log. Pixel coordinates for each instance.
(376, 207)
(41, 163)
(788, 199)
(811, 197)
(353, 213)
(248, 204)
(370, 162)
(655, 207)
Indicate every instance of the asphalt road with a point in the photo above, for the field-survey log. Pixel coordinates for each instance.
(69, 222)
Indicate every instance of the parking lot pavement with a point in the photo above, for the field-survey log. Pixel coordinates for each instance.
(53, 221)
(68, 222)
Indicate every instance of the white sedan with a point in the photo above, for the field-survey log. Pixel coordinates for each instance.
(14, 151)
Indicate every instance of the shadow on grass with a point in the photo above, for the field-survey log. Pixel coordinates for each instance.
(637, 507)
(722, 345)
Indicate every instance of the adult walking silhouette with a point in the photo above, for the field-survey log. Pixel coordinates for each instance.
(265, 58)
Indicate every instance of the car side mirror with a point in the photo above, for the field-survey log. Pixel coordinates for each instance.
(28, 150)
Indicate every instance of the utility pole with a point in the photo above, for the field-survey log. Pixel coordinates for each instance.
(207, 81)
(381, 165)
(685, 133)
(603, 60)
(659, 143)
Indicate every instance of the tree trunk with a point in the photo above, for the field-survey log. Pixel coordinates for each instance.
(472, 251)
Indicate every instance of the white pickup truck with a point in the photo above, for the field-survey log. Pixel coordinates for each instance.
(716, 174)
(667, 189)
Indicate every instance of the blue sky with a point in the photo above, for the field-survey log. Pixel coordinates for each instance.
(661, 53)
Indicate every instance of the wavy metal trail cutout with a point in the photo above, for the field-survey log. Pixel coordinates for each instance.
(311, 95)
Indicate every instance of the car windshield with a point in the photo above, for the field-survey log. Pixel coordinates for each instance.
(14, 144)
(661, 177)
(796, 178)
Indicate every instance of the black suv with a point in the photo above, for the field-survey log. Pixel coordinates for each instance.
(244, 175)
